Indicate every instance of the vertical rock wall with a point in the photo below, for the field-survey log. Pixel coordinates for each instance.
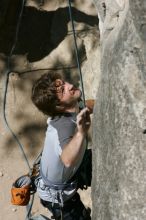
(119, 129)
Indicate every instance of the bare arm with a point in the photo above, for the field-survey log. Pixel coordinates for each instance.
(71, 151)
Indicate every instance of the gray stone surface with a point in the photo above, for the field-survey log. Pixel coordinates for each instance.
(119, 136)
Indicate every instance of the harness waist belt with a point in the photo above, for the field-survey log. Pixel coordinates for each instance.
(58, 186)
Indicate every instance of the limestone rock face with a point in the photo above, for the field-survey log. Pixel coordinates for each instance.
(119, 137)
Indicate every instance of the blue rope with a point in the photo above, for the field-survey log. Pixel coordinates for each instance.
(6, 121)
(7, 73)
(77, 53)
(78, 62)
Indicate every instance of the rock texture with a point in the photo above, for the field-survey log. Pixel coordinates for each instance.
(119, 136)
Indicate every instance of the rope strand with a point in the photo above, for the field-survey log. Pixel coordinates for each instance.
(77, 53)
(7, 73)
(78, 62)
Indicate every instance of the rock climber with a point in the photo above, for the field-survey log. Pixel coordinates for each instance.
(64, 146)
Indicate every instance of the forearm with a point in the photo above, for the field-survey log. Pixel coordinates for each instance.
(71, 151)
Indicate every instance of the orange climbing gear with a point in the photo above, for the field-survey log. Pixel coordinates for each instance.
(20, 191)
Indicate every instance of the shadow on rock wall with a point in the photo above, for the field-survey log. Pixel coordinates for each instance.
(27, 123)
(41, 31)
(30, 136)
(9, 13)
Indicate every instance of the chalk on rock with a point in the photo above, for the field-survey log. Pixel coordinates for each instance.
(14, 209)
(1, 174)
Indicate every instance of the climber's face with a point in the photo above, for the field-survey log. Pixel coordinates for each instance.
(67, 93)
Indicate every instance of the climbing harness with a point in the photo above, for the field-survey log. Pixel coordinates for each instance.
(59, 188)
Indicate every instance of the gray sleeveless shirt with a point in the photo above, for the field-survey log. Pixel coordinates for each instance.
(60, 131)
